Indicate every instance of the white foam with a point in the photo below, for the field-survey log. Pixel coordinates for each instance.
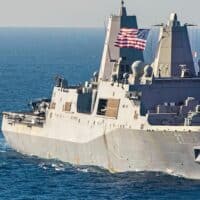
(85, 170)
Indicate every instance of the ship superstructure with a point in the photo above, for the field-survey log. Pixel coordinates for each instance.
(131, 116)
(174, 52)
(113, 56)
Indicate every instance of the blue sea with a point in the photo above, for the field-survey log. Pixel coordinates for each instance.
(30, 58)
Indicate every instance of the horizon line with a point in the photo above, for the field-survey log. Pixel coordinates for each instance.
(95, 27)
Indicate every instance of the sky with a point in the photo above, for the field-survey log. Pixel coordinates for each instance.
(92, 13)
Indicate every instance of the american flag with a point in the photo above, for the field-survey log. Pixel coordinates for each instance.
(132, 38)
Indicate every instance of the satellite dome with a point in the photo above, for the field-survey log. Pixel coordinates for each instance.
(95, 74)
(125, 75)
(148, 70)
(138, 68)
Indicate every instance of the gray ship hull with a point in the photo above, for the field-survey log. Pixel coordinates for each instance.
(121, 150)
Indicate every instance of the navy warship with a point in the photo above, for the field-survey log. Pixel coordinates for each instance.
(131, 115)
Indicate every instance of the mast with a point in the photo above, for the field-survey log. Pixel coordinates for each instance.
(113, 54)
(123, 9)
(174, 50)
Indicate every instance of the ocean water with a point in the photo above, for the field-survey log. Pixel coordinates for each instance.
(29, 60)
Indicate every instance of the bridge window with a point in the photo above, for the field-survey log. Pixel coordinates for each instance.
(52, 105)
(67, 106)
